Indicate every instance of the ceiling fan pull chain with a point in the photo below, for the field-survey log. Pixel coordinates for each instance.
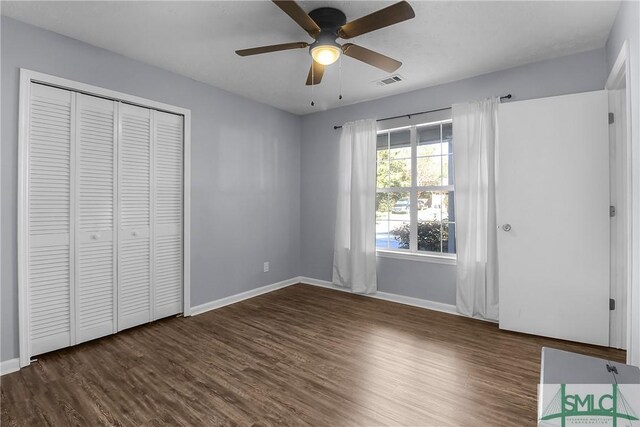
(340, 76)
(312, 84)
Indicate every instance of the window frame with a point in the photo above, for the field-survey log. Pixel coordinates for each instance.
(412, 253)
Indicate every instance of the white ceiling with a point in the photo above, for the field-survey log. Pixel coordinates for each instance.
(446, 41)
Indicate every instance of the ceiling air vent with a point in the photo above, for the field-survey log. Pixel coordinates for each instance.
(390, 80)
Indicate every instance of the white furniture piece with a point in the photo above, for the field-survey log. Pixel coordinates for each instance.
(102, 216)
(553, 217)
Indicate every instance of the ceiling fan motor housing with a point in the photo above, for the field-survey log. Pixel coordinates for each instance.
(329, 19)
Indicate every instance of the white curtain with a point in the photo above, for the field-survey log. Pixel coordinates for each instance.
(475, 132)
(354, 254)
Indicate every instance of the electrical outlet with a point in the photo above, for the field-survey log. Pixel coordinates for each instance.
(266, 267)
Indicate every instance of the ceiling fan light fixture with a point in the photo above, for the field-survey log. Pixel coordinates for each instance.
(325, 54)
(325, 50)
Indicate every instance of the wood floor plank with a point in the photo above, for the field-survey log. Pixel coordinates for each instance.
(298, 356)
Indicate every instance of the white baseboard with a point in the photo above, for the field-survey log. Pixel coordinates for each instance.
(320, 283)
(401, 299)
(212, 305)
(9, 366)
(417, 302)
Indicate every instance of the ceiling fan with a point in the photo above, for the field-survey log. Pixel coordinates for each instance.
(327, 24)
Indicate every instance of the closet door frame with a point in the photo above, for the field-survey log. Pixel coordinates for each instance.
(27, 78)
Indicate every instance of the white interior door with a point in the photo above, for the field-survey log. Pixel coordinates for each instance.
(167, 214)
(553, 198)
(50, 215)
(96, 287)
(134, 254)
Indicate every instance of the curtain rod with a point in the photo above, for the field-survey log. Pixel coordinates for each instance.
(507, 96)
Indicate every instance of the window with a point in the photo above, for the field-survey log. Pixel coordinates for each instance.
(415, 190)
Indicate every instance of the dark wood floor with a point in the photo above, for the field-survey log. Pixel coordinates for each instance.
(298, 356)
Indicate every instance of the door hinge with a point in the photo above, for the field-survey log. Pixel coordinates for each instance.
(611, 118)
(612, 211)
(612, 304)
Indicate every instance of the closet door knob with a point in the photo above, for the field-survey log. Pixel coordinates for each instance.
(95, 236)
(135, 233)
(506, 227)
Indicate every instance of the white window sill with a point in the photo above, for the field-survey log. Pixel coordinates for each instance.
(411, 256)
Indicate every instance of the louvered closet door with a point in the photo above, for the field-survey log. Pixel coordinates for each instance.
(95, 231)
(134, 255)
(167, 215)
(50, 235)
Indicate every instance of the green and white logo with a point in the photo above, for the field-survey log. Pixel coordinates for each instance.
(613, 405)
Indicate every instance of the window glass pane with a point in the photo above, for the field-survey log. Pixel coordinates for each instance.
(394, 163)
(446, 148)
(383, 179)
(429, 141)
(435, 216)
(382, 142)
(450, 206)
(382, 220)
(399, 219)
(433, 205)
(383, 240)
(399, 206)
(399, 171)
(400, 231)
(429, 171)
(429, 134)
(445, 171)
(392, 214)
(447, 131)
(451, 173)
(400, 144)
(430, 236)
(382, 207)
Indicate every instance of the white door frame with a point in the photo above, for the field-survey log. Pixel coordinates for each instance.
(27, 77)
(621, 284)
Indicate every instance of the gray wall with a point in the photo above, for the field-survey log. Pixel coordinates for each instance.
(245, 168)
(576, 73)
(627, 27)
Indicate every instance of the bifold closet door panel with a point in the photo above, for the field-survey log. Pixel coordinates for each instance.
(95, 217)
(134, 234)
(49, 207)
(167, 214)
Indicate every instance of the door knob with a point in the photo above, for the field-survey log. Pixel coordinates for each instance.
(95, 236)
(506, 227)
(135, 233)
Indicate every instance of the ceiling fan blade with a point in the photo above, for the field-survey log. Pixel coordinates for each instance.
(318, 71)
(301, 17)
(370, 57)
(383, 18)
(272, 48)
